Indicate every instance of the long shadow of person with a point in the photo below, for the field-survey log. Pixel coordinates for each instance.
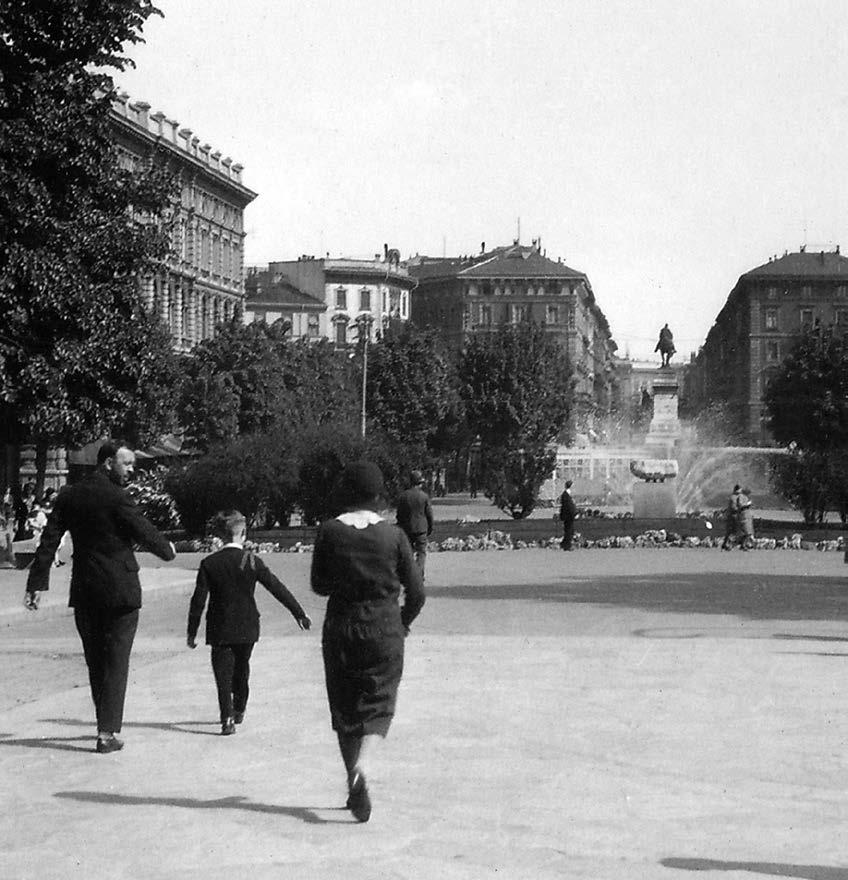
(57, 743)
(772, 869)
(174, 726)
(233, 802)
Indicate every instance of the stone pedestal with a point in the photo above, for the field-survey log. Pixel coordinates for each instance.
(664, 430)
(654, 500)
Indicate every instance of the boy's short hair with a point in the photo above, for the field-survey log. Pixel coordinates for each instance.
(226, 524)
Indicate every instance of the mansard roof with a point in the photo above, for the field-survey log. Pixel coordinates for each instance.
(803, 264)
(513, 261)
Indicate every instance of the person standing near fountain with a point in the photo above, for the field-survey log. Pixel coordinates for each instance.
(746, 519)
(567, 513)
(731, 519)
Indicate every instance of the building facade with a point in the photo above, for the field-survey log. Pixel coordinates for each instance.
(508, 285)
(756, 329)
(202, 281)
(333, 298)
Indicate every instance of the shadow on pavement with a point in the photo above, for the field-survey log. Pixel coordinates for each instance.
(175, 726)
(772, 869)
(233, 802)
(57, 743)
(757, 597)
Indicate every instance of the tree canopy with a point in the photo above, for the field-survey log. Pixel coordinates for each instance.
(516, 384)
(77, 353)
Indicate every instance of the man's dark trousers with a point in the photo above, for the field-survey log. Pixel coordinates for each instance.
(567, 534)
(231, 666)
(107, 636)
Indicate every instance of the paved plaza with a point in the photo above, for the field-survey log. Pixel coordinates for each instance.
(598, 714)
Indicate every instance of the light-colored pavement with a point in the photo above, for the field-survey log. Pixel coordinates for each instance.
(600, 714)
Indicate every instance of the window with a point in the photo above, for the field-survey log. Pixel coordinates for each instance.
(806, 292)
(404, 305)
(772, 293)
(312, 326)
(519, 313)
(486, 315)
(771, 319)
(806, 318)
(552, 316)
(394, 304)
(205, 255)
(341, 333)
(365, 300)
(570, 318)
(385, 302)
(341, 298)
(772, 350)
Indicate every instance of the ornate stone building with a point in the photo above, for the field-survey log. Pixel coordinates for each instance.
(202, 282)
(507, 285)
(756, 329)
(332, 298)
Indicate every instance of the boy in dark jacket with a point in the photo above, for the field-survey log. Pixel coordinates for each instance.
(229, 578)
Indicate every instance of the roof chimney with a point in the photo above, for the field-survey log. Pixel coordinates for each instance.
(837, 249)
(483, 247)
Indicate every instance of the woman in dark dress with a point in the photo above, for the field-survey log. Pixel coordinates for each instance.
(362, 562)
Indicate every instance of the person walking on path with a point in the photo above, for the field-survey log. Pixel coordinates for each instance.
(567, 513)
(228, 578)
(415, 517)
(104, 523)
(731, 519)
(362, 563)
(746, 519)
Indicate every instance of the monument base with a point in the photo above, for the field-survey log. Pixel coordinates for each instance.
(654, 500)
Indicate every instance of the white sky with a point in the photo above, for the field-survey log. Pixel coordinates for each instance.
(662, 147)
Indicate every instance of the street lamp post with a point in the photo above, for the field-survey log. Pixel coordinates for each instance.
(365, 322)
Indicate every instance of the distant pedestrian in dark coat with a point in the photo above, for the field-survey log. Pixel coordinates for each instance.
(567, 513)
(731, 519)
(415, 517)
(363, 563)
(229, 579)
(104, 523)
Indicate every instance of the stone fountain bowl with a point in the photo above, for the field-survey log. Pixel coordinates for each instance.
(653, 469)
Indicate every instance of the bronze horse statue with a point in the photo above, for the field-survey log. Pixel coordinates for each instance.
(665, 345)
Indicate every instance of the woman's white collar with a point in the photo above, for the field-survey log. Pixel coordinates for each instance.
(360, 519)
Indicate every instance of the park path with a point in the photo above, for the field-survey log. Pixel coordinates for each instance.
(601, 714)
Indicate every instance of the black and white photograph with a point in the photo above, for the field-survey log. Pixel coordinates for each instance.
(423, 440)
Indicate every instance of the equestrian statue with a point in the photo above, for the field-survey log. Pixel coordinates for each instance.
(665, 345)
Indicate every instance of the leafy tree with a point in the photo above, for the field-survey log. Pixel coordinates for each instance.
(807, 406)
(516, 384)
(253, 379)
(411, 385)
(77, 354)
(807, 401)
(240, 364)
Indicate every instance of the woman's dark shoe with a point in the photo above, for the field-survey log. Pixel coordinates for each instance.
(238, 717)
(228, 727)
(108, 744)
(358, 801)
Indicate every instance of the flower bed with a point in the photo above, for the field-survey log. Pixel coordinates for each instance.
(498, 540)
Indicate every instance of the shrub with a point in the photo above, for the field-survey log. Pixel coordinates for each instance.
(148, 491)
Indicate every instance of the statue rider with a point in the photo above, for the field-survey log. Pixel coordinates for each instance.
(665, 345)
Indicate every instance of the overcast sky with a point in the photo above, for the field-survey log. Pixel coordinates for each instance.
(661, 147)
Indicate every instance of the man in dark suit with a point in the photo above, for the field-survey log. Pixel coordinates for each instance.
(104, 523)
(415, 518)
(567, 513)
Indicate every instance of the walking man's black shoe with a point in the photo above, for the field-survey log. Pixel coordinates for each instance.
(106, 744)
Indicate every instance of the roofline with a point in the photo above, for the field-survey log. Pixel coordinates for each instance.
(159, 140)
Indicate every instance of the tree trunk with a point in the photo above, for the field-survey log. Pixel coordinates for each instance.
(10, 464)
(40, 467)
